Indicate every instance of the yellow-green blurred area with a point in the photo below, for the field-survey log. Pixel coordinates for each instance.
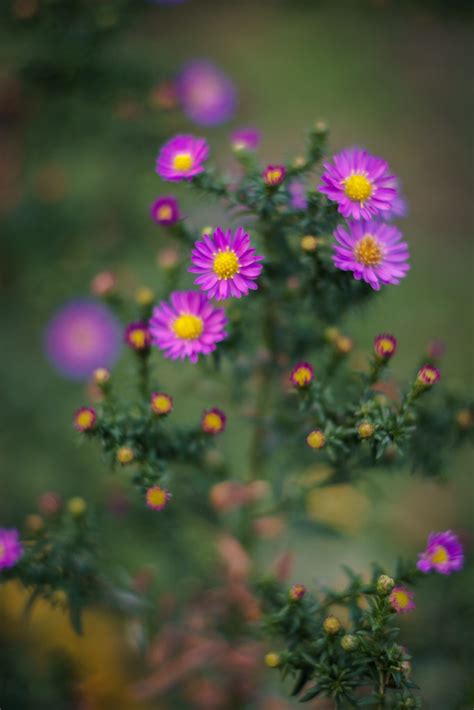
(76, 181)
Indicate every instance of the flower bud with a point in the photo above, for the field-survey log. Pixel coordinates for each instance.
(309, 243)
(125, 455)
(428, 376)
(297, 592)
(272, 660)
(343, 344)
(274, 175)
(144, 296)
(384, 584)
(101, 376)
(385, 346)
(331, 625)
(77, 506)
(464, 419)
(34, 523)
(316, 439)
(365, 430)
(349, 642)
(103, 284)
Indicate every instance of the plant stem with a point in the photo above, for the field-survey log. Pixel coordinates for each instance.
(264, 393)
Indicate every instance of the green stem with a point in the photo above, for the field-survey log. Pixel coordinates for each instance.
(144, 374)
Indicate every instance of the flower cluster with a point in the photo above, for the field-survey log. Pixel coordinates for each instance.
(354, 659)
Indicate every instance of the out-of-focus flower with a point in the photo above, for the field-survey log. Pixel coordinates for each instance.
(213, 421)
(101, 376)
(331, 625)
(341, 506)
(187, 326)
(226, 263)
(182, 158)
(103, 284)
(137, 336)
(373, 251)
(309, 243)
(274, 175)
(269, 526)
(436, 349)
(207, 95)
(444, 553)
(144, 296)
(464, 418)
(161, 403)
(384, 584)
(10, 547)
(85, 419)
(316, 439)
(349, 642)
(385, 346)
(301, 375)
(157, 497)
(50, 503)
(165, 211)
(245, 139)
(428, 376)
(297, 592)
(361, 183)
(343, 344)
(365, 430)
(168, 258)
(77, 506)
(298, 197)
(402, 599)
(125, 455)
(227, 495)
(164, 96)
(80, 337)
(272, 660)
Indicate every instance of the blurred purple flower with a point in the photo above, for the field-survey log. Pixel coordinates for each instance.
(245, 139)
(207, 95)
(10, 547)
(82, 336)
(298, 198)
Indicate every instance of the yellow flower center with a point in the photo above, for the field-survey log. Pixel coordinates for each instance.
(182, 162)
(440, 555)
(85, 419)
(358, 188)
(402, 599)
(138, 338)
(226, 264)
(274, 176)
(212, 421)
(316, 439)
(157, 496)
(302, 376)
(367, 251)
(386, 346)
(188, 326)
(161, 404)
(164, 212)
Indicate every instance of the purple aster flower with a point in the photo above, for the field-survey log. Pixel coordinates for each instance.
(443, 553)
(298, 198)
(245, 139)
(187, 326)
(373, 251)
(82, 336)
(165, 211)
(182, 158)
(10, 547)
(360, 183)
(227, 264)
(207, 95)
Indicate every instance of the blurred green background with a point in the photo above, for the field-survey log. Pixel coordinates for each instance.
(79, 138)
